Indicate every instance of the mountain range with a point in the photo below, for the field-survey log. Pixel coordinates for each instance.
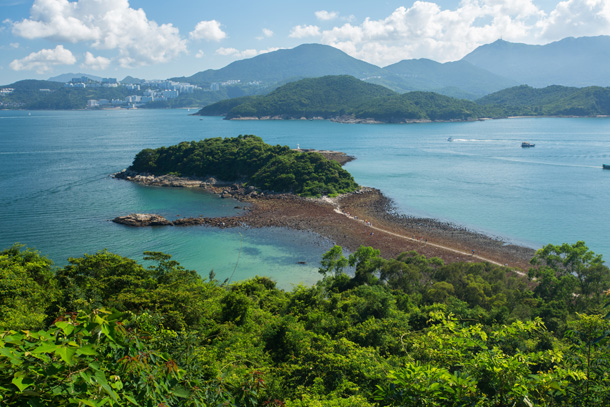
(576, 62)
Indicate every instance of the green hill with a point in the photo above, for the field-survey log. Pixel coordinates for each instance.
(551, 101)
(247, 158)
(346, 98)
(416, 106)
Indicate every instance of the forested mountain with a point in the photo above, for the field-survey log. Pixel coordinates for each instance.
(579, 62)
(458, 79)
(551, 101)
(272, 69)
(304, 61)
(576, 62)
(346, 98)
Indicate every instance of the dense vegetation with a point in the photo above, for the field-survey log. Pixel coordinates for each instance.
(247, 158)
(551, 101)
(332, 97)
(410, 331)
(344, 97)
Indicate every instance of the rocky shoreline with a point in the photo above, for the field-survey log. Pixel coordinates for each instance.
(365, 217)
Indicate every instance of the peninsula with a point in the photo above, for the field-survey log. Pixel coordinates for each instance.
(351, 216)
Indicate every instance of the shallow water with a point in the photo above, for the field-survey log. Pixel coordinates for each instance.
(56, 195)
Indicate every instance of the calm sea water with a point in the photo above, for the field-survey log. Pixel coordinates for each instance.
(56, 195)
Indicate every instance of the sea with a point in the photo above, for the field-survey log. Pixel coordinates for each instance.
(57, 195)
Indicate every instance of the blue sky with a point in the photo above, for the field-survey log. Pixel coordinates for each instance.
(155, 39)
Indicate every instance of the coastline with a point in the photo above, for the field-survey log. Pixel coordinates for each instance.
(365, 217)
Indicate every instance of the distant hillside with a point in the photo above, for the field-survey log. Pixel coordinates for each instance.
(576, 62)
(551, 101)
(67, 77)
(273, 69)
(131, 80)
(50, 95)
(346, 98)
(420, 106)
(325, 97)
(304, 61)
(457, 79)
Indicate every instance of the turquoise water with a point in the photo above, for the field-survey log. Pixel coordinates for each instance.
(56, 195)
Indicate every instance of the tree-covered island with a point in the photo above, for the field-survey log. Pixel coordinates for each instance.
(249, 160)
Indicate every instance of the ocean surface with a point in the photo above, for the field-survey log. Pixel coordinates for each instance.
(56, 194)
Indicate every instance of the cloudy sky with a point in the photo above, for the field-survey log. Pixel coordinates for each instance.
(159, 39)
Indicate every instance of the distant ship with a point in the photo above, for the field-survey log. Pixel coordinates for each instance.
(606, 166)
(525, 144)
(450, 139)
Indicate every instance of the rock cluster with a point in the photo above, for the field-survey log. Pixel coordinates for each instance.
(168, 180)
(221, 188)
(142, 219)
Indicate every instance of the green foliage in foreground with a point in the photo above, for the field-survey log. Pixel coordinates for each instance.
(276, 168)
(409, 331)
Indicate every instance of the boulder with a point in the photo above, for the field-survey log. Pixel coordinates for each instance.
(142, 219)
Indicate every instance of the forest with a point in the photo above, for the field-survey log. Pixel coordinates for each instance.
(248, 159)
(336, 97)
(332, 97)
(407, 331)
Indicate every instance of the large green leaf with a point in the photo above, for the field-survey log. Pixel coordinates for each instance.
(22, 381)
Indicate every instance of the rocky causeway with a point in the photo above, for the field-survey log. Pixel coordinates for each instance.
(365, 217)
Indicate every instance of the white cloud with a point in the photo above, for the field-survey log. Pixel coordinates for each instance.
(44, 60)
(200, 54)
(96, 63)
(105, 24)
(425, 30)
(324, 15)
(302, 31)
(14, 45)
(267, 33)
(578, 18)
(248, 53)
(209, 31)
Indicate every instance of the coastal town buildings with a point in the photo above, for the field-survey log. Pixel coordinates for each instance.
(151, 91)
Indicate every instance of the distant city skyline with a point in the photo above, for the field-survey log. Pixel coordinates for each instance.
(149, 39)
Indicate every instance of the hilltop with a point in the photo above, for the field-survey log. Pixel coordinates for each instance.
(345, 98)
(577, 62)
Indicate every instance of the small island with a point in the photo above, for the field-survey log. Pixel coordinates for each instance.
(304, 190)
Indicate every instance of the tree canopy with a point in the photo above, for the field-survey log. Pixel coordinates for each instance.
(372, 332)
(248, 159)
